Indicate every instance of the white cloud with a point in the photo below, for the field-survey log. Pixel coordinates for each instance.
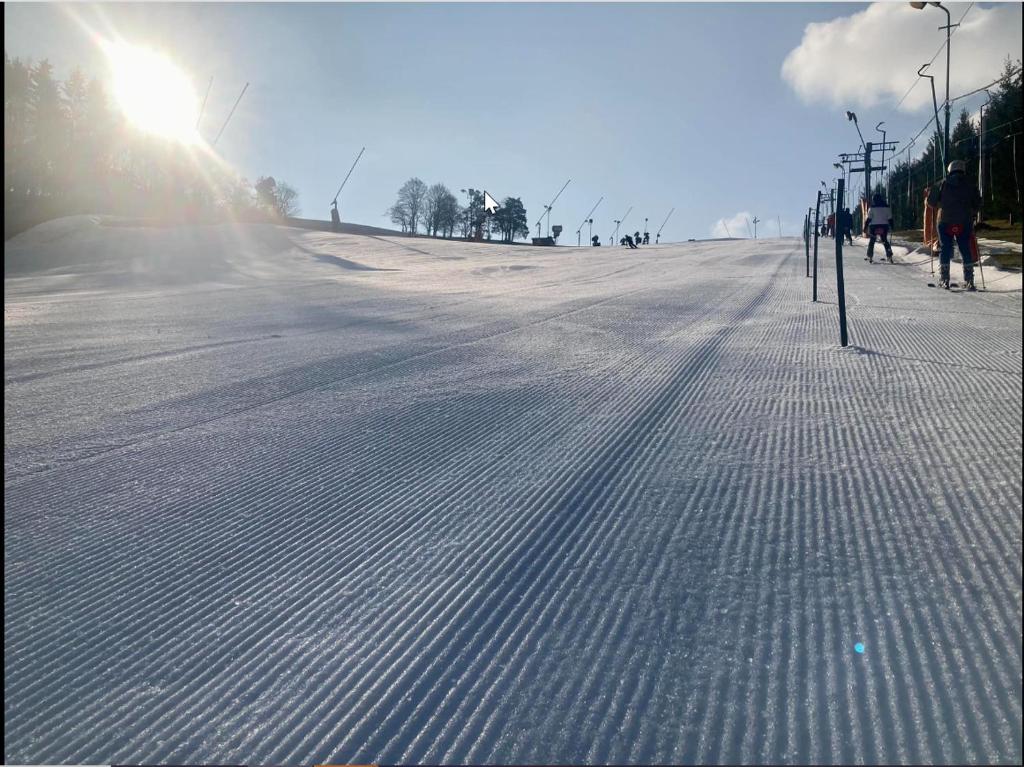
(733, 227)
(872, 57)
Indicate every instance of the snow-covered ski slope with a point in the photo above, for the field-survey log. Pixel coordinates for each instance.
(280, 496)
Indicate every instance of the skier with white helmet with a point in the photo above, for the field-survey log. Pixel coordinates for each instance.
(958, 202)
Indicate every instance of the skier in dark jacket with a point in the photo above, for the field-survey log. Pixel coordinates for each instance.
(958, 202)
(629, 241)
(878, 224)
(647, 238)
(846, 225)
(595, 241)
(335, 217)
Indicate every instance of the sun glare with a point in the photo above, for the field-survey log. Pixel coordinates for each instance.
(154, 94)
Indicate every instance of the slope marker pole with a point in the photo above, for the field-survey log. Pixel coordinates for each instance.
(817, 228)
(844, 339)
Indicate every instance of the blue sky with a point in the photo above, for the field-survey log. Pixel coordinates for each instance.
(652, 106)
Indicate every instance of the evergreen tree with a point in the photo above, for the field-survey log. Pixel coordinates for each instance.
(510, 219)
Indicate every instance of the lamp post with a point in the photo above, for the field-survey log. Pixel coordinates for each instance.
(935, 106)
(949, 33)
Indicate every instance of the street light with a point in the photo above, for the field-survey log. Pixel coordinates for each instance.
(935, 106)
(949, 33)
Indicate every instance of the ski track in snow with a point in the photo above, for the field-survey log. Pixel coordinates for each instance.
(474, 503)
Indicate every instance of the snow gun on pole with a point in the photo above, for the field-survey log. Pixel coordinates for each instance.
(232, 112)
(618, 222)
(203, 107)
(664, 222)
(348, 174)
(586, 218)
(547, 210)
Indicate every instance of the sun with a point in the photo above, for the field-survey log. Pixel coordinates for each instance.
(153, 93)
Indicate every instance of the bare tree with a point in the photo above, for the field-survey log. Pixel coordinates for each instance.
(399, 215)
(286, 202)
(278, 198)
(432, 203)
(410, 199)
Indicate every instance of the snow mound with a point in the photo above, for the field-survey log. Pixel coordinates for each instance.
(112, 252)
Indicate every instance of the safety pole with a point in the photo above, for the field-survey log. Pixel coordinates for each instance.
(817, 228)
(807, 241)
(840, 286)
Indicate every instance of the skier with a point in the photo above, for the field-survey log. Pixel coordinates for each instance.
(846, 225)
(878, 225)
(958, 202)
(595, 241)
(636, 238)
(629, 241)
(335, 217)
(830, 222)
(647, 238)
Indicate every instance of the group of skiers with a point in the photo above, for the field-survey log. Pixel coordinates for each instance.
(635, 240)
(957, 202)
(844, 221)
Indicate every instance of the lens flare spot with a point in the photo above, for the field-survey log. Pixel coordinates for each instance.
(153, 93)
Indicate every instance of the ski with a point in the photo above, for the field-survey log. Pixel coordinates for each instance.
(955, 288)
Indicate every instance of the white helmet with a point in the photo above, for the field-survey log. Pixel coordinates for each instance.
(957, 166)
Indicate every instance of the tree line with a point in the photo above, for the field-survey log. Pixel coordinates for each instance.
(68, 151)
(1003, 159)
(437, 211)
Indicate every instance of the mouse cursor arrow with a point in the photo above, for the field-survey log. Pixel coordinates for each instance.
(490, 205)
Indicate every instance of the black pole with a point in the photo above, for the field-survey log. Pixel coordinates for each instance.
(817, 228)
(807, 241)
(840, 287)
